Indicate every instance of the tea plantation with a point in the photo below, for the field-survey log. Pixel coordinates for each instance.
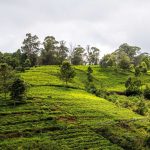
(58, 117)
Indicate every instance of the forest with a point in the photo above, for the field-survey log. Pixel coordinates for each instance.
(59, 96)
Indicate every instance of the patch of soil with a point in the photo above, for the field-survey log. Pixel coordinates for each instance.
(69, 119)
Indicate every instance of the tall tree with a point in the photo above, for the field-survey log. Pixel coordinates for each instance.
(123, 60)
(77, 55)
(62, 52)
(49, 52)
(123, 57)
(108, 60)
(92, 55)
(31, 48)
(131, 51)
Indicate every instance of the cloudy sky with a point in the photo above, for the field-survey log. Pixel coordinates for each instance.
(105, 24)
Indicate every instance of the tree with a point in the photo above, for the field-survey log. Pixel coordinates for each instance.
(31, 48)
(137, 72)
(108, 60)
(27, 63)
(147, 92)
(146, 59)
(123, 57)
(123, 61)
(133, 86)
(10, 59)
(17, 90)
(49, 53)
(6, 76)
(66, 72)
(62, 52)
(143, 67)
(77, 55)
(131, 51)
(89, 74)
(142, 108)
(92, 55)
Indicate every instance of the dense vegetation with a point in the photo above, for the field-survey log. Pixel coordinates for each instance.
(52, 52)
(58, 117)
(53, 97)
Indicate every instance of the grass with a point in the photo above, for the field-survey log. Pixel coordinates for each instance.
(56, 117)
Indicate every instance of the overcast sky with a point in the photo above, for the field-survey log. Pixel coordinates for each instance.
(105, 24)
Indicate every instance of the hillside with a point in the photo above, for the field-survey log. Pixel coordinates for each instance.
(56, 117)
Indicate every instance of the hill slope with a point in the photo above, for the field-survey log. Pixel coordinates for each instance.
(55, 117)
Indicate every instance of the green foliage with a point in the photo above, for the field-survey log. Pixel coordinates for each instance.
(148, 141)
(92, 55)
(142, 108)
(54, 52)
(90, 87)
(62, 52)
(132, 69)
(124, 60)
(6, 76)
(137, 72)
(128, 141)
(49, 53)
(18, 89)
(30, 48)
(107, 61)
(57, 117)
(143, 67)
(27, 63)
(101, 92)
(131, 51)
(89, 74)
(147, 92)
(66, 72)
(20, 69)
(133, 86)
(77, 55)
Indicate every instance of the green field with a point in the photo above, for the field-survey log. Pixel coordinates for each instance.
(59, 117)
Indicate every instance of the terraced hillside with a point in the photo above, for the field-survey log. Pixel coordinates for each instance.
(56, 117)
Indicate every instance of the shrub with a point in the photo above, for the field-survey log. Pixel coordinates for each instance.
(143, 67)
(137, 72)
(148, 141)
(90, 88)
(101, 93)
(17, 90)
(89, 74)
(142, 108)
(20, 69)
(133, 86)
(147, 92)
(27, 63)
(27, 68)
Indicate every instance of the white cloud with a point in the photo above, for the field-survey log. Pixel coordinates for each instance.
(102, 23)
